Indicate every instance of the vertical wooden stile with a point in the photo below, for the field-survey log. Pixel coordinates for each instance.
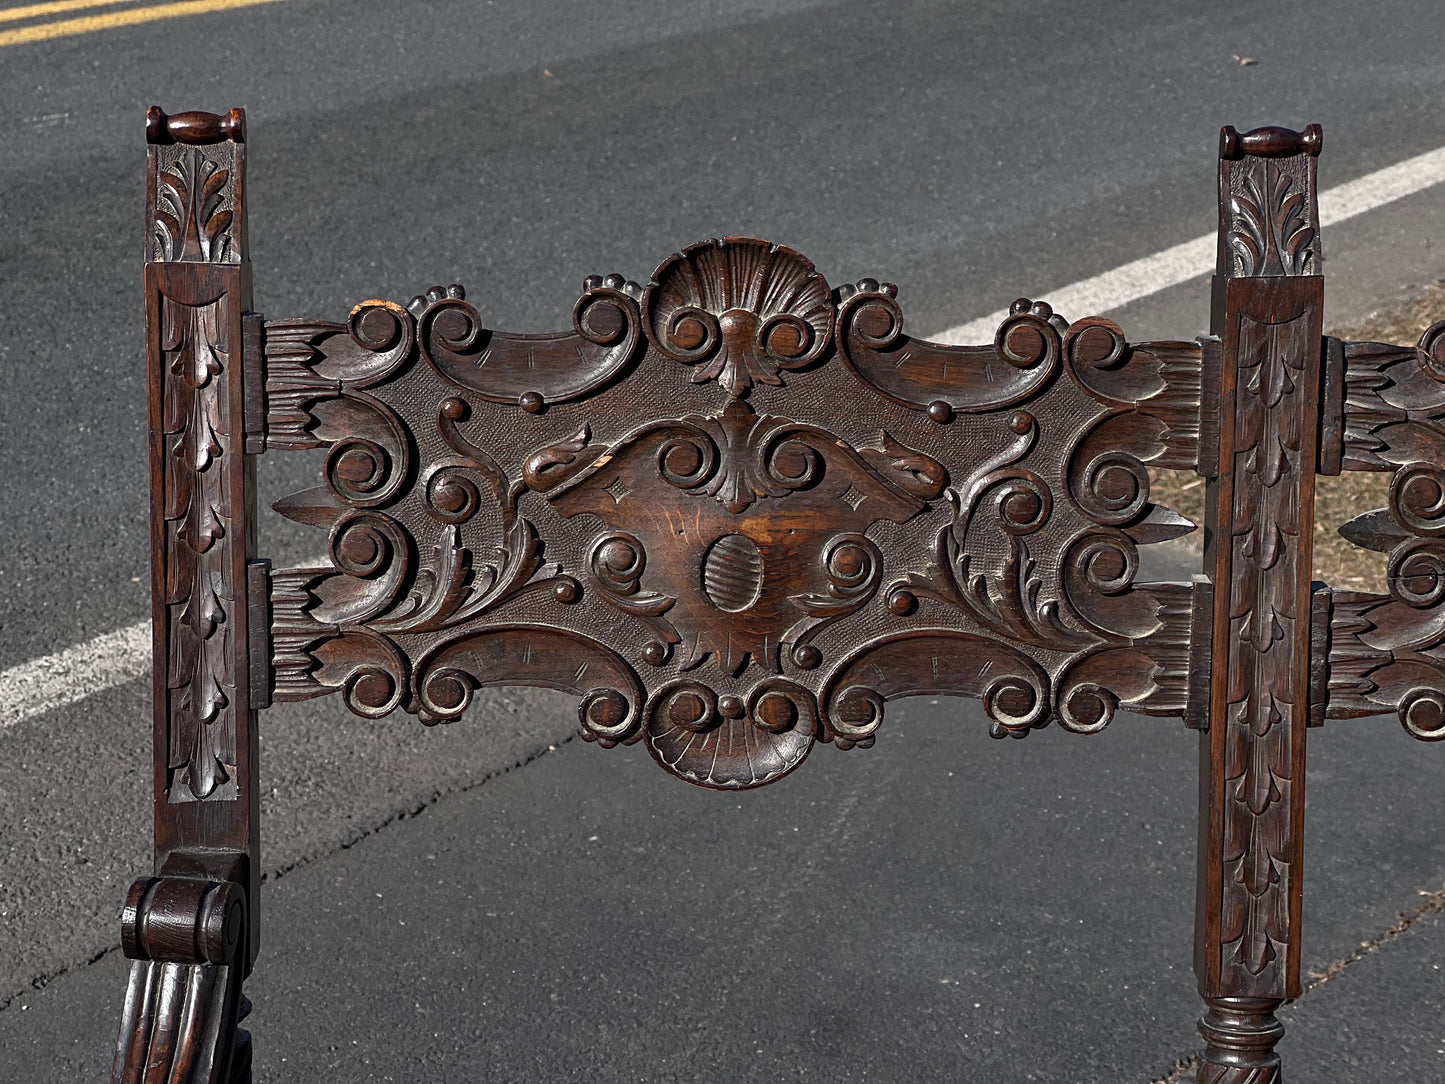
(191, 928)
(1259, 523)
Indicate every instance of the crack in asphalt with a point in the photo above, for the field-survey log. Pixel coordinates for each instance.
(39, 982)
(1179, 1072)
(1181, 1067)
(1433, 904)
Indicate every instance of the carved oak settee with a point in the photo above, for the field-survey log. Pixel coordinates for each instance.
(667, 511)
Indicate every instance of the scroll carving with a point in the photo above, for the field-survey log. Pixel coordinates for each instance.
(1394, 402)
(531, 370)
(723, 578)
(1384, 651)
(184, 935)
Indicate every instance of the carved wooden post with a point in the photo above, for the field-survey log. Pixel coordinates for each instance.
(191, 928)
(1258, 548)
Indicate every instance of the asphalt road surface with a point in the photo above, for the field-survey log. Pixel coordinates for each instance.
(969, 152)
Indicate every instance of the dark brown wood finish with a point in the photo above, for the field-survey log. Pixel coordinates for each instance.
(737, 510)
(192, 929)
(1259, 534)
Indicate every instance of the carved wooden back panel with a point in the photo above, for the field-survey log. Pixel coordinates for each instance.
(739, 508)
(665, 511)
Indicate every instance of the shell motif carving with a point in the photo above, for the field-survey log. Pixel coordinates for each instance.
(731, 574)
(739, 309)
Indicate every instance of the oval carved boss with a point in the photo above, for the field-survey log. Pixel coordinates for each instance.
(740, 309)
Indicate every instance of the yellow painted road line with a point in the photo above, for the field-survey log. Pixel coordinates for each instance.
(55, 7)
(86, 24)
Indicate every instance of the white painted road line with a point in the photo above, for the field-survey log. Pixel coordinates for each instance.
(69, 676)
(1114, 289)
(51, 682)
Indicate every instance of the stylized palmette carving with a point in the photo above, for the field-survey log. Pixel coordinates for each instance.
(193, 209)
(703, 559)
(1273, 227)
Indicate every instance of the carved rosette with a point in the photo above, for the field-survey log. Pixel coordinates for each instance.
(726, 584)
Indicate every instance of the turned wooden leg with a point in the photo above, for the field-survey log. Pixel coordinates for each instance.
(1239, 1037)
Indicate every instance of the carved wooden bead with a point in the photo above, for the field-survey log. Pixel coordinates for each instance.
(530, 401)
(940, 412)
(731, 707)
(902, 603)
(807, 657)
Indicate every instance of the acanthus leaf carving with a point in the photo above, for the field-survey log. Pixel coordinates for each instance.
(728, 535)
(192, 216)
(199, 600)
(1271, 229)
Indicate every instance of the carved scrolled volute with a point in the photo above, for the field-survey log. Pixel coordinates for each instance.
(699, 570)
(611, 706)
(945, 380)
(531, 370)
(1014, 689)
(739, 309)
(186, 937)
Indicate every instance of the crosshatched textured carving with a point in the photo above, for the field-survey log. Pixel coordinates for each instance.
(689, 536)
(735, 511)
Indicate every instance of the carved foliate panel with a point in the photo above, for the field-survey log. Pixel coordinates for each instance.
(1268, 299)
(1383, 653)
(197, 286)
(734, 511)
